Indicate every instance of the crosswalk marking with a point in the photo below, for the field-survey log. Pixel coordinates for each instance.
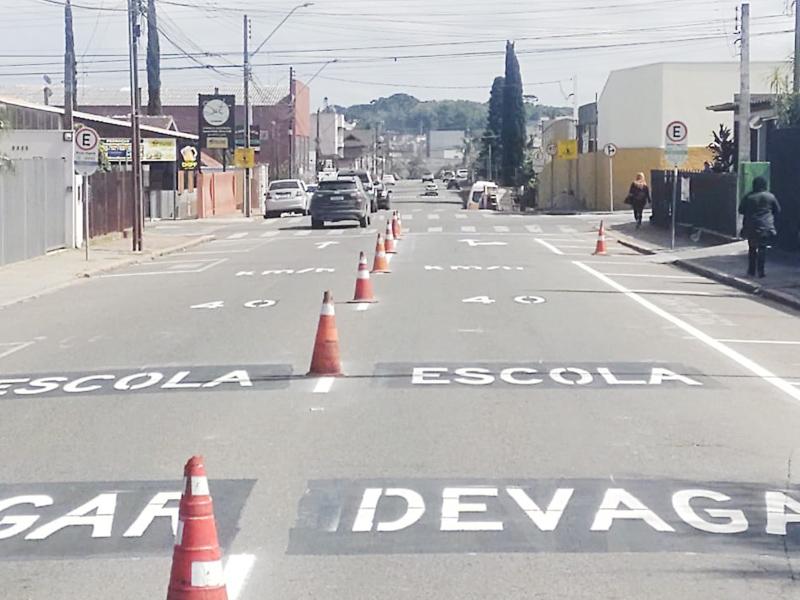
(461, 216)
(567, 229)
(267, 234)
(433, 216)
(416, 210)
(302, 233)
(237, 236)
(407, 216)
(534, 228)
(468, 229)
(501, 229)
(434, 229)
(336, 232)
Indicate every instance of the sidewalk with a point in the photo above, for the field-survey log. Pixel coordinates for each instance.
(719, 259)
(29, 279)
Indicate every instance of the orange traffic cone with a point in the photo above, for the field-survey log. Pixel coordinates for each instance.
(396, 227)
(363, 282)
(389, 244)
(600, 248)
(325, 360)
(381, 263)
(197, 572)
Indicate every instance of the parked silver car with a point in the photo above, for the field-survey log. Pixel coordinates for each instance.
(286, 195)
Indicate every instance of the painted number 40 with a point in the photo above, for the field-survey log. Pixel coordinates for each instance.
(221, 304)
(517, 299)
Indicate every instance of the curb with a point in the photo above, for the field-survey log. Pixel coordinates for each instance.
(741, 284)
(148, 256)
(642, 249)
(105, 269)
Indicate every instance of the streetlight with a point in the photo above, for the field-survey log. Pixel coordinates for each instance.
(248, 117)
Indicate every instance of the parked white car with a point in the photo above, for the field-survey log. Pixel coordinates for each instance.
(286, 195)
(389, 179)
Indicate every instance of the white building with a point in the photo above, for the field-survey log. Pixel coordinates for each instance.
(330, 127)
(637, 104)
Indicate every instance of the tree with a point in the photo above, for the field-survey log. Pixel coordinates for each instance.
(787, 103)
(491, 145)
(724, 150)
(153, 62)
(513, 136)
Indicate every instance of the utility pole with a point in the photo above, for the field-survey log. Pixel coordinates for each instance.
(291, 122)
(744, 90)
(134, 30)
(318, 146)
(69, 68)
(247, 116)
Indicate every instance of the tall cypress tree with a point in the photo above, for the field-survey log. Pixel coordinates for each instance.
(513, 129)
(153, 62)
(494, 128)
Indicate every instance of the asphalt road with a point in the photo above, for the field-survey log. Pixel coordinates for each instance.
(518, 419)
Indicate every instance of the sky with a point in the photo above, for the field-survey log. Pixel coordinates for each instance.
(432, 49)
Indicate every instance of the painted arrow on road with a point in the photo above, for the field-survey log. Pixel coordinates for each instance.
(323, 245)
(477, 243)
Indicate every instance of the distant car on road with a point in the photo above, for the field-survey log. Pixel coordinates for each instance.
(462, 173)
(447, 176)
(389, 179)
(286, 195)
(342, 199)
(384, 196)
(368, 183)
(431, 189)
(484, 194)
(427, 177)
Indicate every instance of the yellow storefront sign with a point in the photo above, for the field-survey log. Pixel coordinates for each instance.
(568, 149)
(244, 158)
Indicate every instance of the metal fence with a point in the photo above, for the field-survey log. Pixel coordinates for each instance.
(711, 205)
(111, 202)
(35, 209)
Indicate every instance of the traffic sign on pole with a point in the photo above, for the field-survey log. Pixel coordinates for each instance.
(676, 146)
(87, 151)
(610, 150)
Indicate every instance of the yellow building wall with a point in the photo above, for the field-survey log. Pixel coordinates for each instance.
(588, 177)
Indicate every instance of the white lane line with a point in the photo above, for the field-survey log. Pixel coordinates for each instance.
(270, 234)
(461, 216)
(416, 210)
(438, 210)
(674, 292)
(336, 232)
(501, 229)
(534, 228)
(323, 385)
(468, 229)
(15, 347)
(301, 233)
(237, 570)
(237, 236)
(650, 275)
(740, 359)
(776, 342)
(549, 246)
(433, 216)
(434, 229)
(407, 217)
(371, 231)
(361, 306)
(567, 229)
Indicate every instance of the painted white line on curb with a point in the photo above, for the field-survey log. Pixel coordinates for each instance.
(674, 292)
(362, 306)
(237, 570)
(740, 359)
(650, 275)
(549, 246)
(323, 385)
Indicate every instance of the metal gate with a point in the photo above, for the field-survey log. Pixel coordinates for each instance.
(34, 209)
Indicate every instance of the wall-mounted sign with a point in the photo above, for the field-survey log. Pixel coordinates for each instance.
(153, 149)
(217, 117)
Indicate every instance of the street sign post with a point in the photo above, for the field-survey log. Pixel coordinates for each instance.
(676, 150)
(610, 150)
(87, 156)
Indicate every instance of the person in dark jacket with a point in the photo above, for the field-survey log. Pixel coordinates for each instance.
(638, 197)
(759, 209)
